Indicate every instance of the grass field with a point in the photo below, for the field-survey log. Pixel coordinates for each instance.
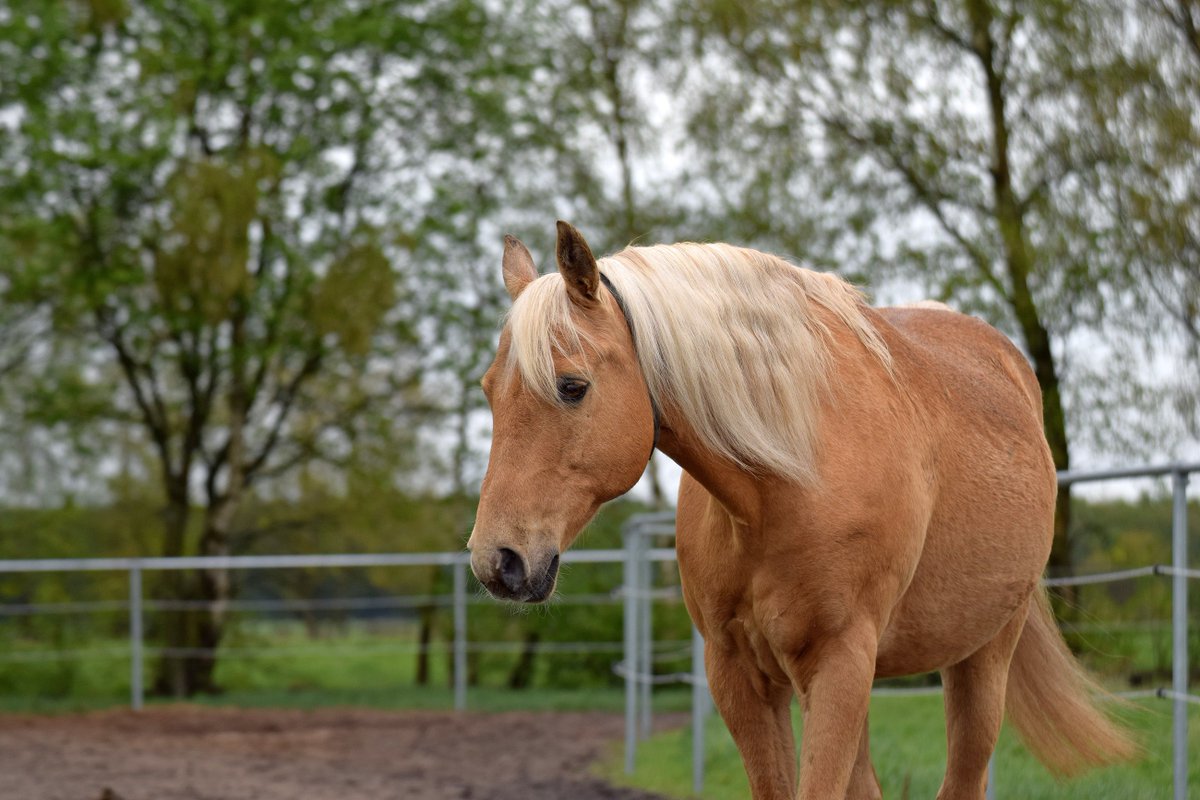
(909, 752)
(280, 666)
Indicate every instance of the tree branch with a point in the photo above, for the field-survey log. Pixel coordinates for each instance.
(153, 414)
(933, 18)
(929, 198)
(285, 398)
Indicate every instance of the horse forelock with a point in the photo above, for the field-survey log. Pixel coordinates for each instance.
(541, 323)
(726, 336)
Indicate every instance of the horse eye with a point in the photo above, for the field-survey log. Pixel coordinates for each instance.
(571, 390)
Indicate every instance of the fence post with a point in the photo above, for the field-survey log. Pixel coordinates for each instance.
(1179, 633)
(460, 634)
(646, 645)
(136, 691)
(630, 661)
(699, 710)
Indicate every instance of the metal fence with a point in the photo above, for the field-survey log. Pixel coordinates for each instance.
(637, 593)
(1180, 573)
(463, 594)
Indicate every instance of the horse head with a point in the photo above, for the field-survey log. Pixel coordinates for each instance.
(573, 422)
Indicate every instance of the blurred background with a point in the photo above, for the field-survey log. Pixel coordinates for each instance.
(249, 281)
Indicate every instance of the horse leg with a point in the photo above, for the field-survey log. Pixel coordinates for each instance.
(864, 784)
(755, 711)
(974, 698)
(837, 687)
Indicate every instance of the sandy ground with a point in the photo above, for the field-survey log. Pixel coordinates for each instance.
(192, 753)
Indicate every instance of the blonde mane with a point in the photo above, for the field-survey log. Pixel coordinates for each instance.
(726, 336)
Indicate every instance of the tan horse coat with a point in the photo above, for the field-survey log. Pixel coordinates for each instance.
(917, 546)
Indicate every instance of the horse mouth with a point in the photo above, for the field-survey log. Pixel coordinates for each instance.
(535, 589)
(542, 587)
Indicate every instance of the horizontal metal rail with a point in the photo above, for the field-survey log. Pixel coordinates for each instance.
(442, 600)
(1103, 577)
(340, 649)
(91, 607)
(233, 562)
(324, 604)
(1122, 575)
(296, 562)
(1184, 696)
(657, 679)
(1073, 476)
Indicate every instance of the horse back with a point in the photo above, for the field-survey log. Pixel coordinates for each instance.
(965, 360)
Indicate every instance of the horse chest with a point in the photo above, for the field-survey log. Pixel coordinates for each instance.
(750, 639)
(741, 615)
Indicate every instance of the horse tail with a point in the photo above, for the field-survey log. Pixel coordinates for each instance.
(1052, 701)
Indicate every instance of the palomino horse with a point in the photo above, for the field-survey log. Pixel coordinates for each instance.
(866, 493)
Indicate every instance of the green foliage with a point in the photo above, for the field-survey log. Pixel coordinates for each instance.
(1123, 628)
(311, 175)
(976, 152)
(192, 193)
(204, 263)
(351, 299)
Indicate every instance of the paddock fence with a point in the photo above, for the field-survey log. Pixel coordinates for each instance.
(464, 593)
(645, 544)
(639, 594)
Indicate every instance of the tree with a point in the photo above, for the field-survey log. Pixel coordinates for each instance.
(1156, 194)
(940, 142)
(606, 148)
(196, 193)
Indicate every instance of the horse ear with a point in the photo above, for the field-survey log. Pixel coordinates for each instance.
(519, 270)
(577, 265)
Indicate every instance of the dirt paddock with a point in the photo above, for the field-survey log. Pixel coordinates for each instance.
(192, 753)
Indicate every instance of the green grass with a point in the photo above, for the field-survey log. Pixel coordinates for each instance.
(909, 751)
(398, 697)
(279, 665)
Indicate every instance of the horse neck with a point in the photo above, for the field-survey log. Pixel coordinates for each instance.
(857, 382)
(739, 491)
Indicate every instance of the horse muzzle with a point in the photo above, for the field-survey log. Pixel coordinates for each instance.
(508, 574)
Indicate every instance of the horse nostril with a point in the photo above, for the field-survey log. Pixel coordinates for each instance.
(512, 570)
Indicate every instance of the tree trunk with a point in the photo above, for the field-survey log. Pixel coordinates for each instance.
(170, 677)
(522, 672)
(1037, 342)
(213, 585)
(214, 590)
(473, 667)
(1019, 263)
(193, 633)
(424, 639)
